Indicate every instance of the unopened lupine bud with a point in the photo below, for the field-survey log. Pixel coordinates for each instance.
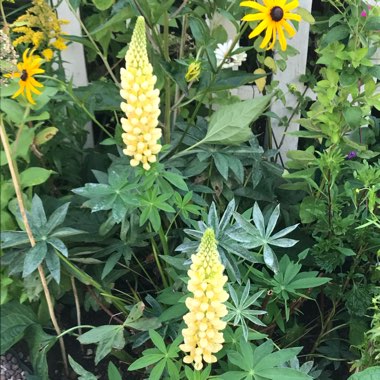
(142, 102)
(203, 336)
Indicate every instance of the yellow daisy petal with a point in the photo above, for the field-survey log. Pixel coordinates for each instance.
(254, 17)
(275, 15)
(18, 92)
(292, 16)
(259, 28)
(29, 95)
(292, 5)
(291, 31)
(268, 35)
(254, 5)
(271, 46)
(29, 66)
(281, 37)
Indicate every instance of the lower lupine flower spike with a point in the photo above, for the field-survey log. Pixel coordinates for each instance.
(141, 134)
(203, 336)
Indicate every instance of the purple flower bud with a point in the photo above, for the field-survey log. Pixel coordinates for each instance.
(351, 155)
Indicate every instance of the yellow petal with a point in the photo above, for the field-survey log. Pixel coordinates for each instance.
(254, 17)
(292, 16)
(273, 39)
(18, 92)
(34, 83)
(254, 5)
(255, 32)
(268, 35)
(281, 37)
(288, 28)
(291, 5)
(29, 95)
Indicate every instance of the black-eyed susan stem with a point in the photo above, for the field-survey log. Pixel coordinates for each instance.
(88, 35)
(6, 27)
(17, 187)
(78, 102)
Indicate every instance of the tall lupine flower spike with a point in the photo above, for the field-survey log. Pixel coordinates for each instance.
(142, 102)
(203, 336)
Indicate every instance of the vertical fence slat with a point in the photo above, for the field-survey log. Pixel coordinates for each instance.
(73, 57)
(296, 66)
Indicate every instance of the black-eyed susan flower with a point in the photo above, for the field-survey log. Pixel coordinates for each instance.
(203, 336)
(142, 102)
(273, 16)
(29, 67)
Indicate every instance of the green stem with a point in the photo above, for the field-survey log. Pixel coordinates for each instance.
(86, 279)
(157, 259)
(88, 35)
(167, 111)
(75, 328)
(167, 80)
(78, 102)
(213, 79)
(145, 272)
(171, 224)
(164, 242)
(6, 27)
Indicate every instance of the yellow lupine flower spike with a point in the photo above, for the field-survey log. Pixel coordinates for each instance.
(142, 102)
(203, 336)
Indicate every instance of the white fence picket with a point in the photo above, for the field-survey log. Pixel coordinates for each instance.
(296, 66)
(73, 57)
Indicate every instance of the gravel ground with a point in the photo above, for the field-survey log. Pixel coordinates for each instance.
(10, 368)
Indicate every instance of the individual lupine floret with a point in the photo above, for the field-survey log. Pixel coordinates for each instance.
(142, 102)
(203, 336)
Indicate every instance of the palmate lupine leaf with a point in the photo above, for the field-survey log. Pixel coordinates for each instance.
(258, 235)
(227, 247)
(241, 310)
(47, 234)
(261, 362)
(118, 194)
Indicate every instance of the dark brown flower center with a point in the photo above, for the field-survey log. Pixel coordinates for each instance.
(277, 13)
(24, 75)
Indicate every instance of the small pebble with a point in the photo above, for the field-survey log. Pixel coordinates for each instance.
(10, 369)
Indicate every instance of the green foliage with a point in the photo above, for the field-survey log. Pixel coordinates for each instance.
(240, 311)
(260, 235)
(161, 356)
(48, 235)
(261, 362)
(299, 239)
